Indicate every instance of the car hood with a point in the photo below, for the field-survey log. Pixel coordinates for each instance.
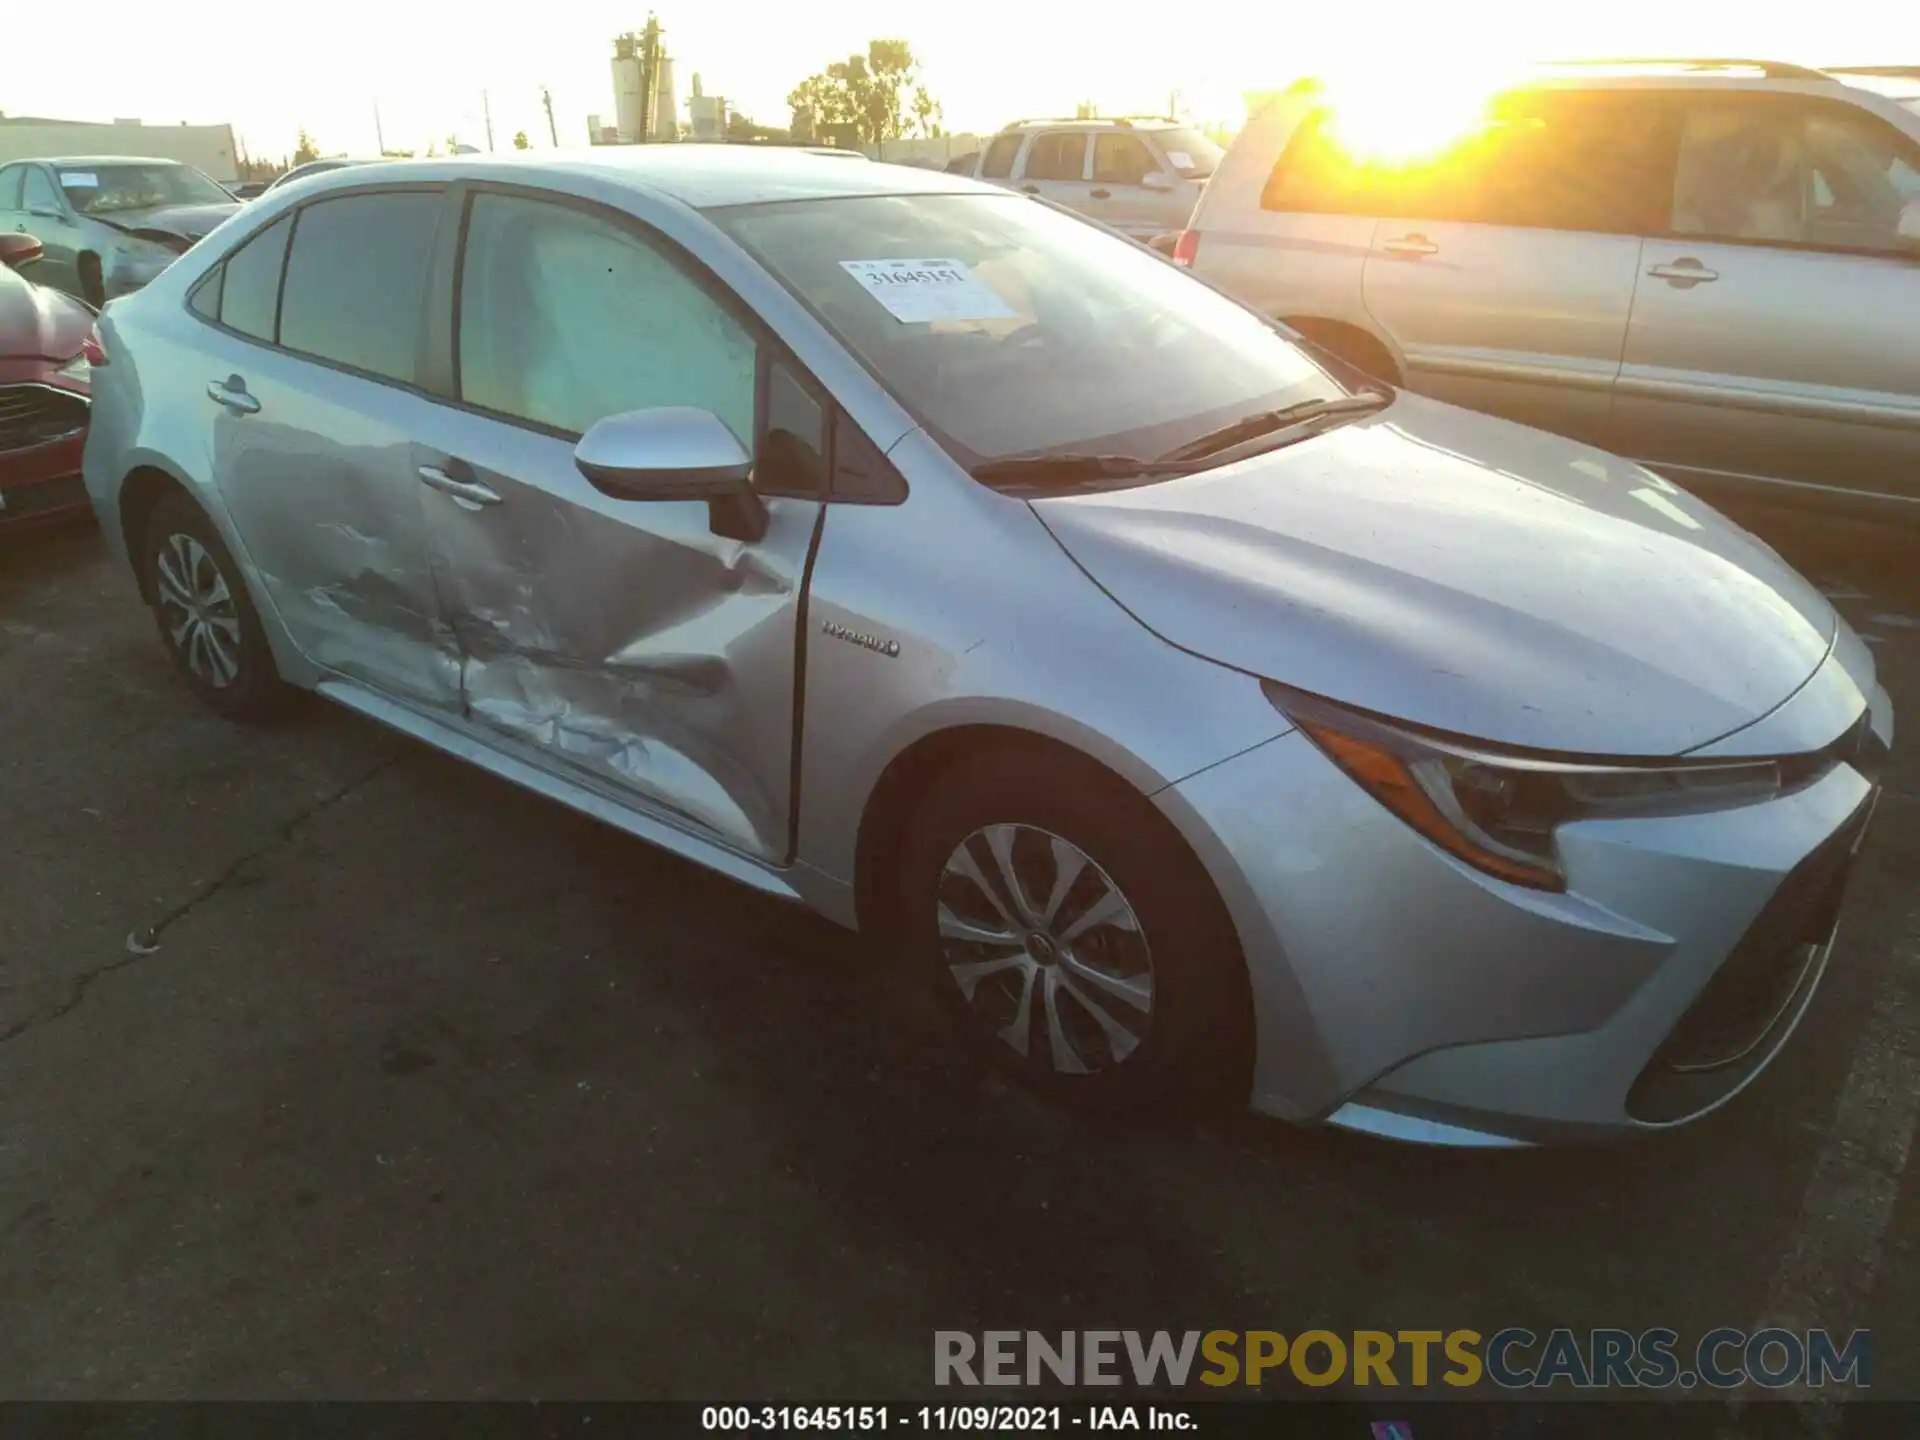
(39, 324)
(189, 222)
(1463, 573)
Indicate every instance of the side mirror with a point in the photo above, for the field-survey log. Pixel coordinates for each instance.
(672, 453)
(18, 249)
(675, 452)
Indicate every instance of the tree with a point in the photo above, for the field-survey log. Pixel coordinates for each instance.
(520, 141)
(873, 97)
(307, 149)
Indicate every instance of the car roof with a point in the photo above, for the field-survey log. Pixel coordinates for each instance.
(704, 176)
(98, 160)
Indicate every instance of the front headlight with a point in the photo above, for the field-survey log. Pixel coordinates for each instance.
(1498, 809)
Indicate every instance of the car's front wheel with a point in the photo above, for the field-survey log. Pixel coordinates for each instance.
(206, 619)
(1072, 936)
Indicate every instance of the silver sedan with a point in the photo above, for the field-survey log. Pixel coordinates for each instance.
(1203, 720)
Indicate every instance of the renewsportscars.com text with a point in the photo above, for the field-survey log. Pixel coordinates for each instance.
(1511, 1359)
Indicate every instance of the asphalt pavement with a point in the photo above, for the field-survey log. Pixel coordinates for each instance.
(330, 1067)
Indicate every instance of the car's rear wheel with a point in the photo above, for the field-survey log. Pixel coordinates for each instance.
(1072, 937)
(206, 619)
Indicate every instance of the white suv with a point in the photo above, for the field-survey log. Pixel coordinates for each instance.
(1712, 267)
(1141, 176)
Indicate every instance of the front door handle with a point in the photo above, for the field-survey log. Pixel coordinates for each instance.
(1102, 194)
(1031, 189)
(232, 393)
(471, 491)
(1413, 245)
(1683, 273)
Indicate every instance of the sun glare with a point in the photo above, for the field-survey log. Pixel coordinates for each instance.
(1391, 119)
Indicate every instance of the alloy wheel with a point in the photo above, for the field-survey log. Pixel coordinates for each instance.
(1046, 951)
(197, 610)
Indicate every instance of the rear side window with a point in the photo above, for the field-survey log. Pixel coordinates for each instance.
(248, 288)
(1058, 155)
(10, 187)
(999, 161)
(356, 280)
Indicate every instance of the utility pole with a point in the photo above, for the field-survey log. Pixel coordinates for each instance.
(486, 109)
(379, 135)
(553, 131)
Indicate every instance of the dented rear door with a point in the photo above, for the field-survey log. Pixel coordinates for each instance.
(631, 644)
(307, 372)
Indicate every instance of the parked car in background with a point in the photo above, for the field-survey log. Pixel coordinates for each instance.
(47, 354)
(314, 167)
(1200, 723)
(108, 224)
(1710, 266)
(1140, 176)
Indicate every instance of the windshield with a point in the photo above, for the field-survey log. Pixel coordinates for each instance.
(1189, 152)
(108, 189)
(1011, 329)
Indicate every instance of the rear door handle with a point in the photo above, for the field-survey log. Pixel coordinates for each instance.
(232, 393)
(1031, 189)
(1102, 194)
(471, 491)
(1411, 245)
(1684, 272)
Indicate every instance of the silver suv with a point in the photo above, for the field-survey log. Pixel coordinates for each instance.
(1712, 267)
(1140, 176)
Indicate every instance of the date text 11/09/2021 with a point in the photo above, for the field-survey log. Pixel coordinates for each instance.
(988, 1419)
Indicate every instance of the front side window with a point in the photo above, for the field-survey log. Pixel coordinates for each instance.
(357, 280)
(10, 179)
(118, 188)
(1057, 155)
(1794, 174)
(1012, 330)
(40, 194)
(1121, 160)
(1570, 160)
(1000, 154)
(1190, 152)
(567, 318)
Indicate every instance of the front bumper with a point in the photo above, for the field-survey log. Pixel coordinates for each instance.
(42, 481)
(1400, 991)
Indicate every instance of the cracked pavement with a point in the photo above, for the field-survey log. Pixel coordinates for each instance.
(432, 1089)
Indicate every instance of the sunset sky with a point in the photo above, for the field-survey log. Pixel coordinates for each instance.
(272, 68)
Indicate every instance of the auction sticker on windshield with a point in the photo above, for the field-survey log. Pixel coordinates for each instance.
(920, 290)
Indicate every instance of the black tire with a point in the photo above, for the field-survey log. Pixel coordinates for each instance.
(1192, 1045)
(93, 289)
(228, 663)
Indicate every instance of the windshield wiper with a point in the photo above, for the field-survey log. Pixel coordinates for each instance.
(1069, 468)
(1266, 422)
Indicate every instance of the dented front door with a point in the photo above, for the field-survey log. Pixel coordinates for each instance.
(626, 641)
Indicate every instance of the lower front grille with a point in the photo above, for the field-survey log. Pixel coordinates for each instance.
(42, 498)
(1754, 990)
(33, 415)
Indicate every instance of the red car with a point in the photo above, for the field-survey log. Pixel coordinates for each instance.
(48, 348)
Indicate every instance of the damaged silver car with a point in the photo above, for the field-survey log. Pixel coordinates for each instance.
(1204, 719)
(109, 224)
